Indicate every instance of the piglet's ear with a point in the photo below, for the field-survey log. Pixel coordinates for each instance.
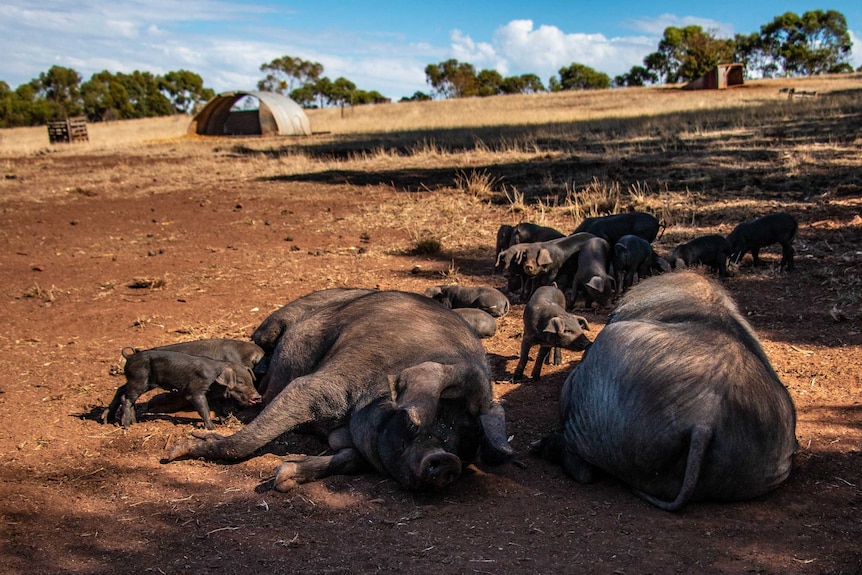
(434, 292)
(393, 387)
(555, 325)
(597, 283)
(544, 258)
(227, 378)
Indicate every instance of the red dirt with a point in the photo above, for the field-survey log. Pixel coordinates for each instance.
(80, 497)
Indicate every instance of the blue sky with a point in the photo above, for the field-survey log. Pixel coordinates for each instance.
(383, 45)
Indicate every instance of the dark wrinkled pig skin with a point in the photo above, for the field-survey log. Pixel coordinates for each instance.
(676, 398)
(396, 380)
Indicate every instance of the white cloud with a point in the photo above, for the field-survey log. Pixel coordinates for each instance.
(153, 30)
(856, 54)
(656, 26)
(519, 48)
(480, 54)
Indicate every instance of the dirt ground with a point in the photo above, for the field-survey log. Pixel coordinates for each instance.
(222, 250)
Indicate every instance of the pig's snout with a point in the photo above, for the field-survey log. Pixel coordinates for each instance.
(250, 398)
(581, 343)
(440, 469)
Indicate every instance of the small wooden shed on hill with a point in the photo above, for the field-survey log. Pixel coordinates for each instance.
(276, 115)
(721, 77)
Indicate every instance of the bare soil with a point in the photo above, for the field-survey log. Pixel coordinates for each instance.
(218, 249)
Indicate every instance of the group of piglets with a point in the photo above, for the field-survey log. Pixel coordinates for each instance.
(675, 396)
(602, 257)
(714, 250)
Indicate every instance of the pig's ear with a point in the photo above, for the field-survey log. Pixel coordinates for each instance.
(227, 378)
(434, 292)
(495, 446)
(393, 387)
(544, 258)
(555, 325)
(417, 391)
(419, 388)
(663, 264)
(597, 283)
(582, 321)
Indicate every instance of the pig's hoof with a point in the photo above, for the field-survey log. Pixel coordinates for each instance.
(202, 445)
(292, 472)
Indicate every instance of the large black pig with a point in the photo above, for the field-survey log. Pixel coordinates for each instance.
(394, 379)
(269, 332)
(278, 322)
(676, 398)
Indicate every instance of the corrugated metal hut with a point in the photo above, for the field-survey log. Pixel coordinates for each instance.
(276, 115)
(721, 77)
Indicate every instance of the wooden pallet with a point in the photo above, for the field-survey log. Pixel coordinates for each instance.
(68, 131)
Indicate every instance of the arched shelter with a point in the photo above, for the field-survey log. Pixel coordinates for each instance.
(277, 115)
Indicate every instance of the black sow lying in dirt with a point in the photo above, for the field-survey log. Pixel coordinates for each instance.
(394, 379)
(676, 398)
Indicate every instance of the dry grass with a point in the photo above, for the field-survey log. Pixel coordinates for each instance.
(561, 107)
(609, 110)
(549, 158)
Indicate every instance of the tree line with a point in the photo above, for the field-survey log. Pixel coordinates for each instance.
(59, 93)
(790, 45)
(817, 42)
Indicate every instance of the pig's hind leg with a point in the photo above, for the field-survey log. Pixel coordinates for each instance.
(298, 469)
